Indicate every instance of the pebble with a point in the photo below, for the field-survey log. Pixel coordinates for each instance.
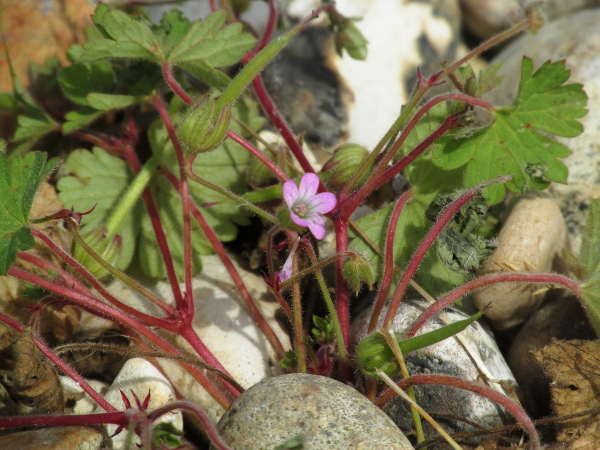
(448, 357)
(485, 18)
(326, 413)
(575, 38)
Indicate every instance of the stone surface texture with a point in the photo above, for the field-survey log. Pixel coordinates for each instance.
(327, 413)
(57, 438)
(475, 354)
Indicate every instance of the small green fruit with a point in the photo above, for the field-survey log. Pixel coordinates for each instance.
(204, 127)
(344, 163)
(358, 270)
(109, 249)
(374, 353)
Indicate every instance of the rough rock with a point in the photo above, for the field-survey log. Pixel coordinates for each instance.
(448, 357)
(56, 438)
(325, 412)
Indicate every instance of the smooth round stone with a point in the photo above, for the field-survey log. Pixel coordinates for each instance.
(448, 357)
(575, 38)
(328, 414)
(484, 18)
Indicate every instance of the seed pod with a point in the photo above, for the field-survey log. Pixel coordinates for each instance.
(205, 126)
(346, 160)
(109, 249)
(373, 353)
(358, 270)
(533, 235)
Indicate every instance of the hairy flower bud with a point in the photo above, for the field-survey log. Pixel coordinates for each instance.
(344, 163)
(109, 249)
(374, 353)
(358, 270)
(205, 126)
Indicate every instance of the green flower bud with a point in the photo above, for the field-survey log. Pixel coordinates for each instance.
(358, 270)
(109, 249)
(344, 163)
(374, 353)
(205, 126)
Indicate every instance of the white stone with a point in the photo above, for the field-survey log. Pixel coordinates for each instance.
(474, 355)
(138, 377)
(85, 405)
(225, 326)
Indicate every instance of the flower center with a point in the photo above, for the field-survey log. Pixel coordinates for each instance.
(300, 209)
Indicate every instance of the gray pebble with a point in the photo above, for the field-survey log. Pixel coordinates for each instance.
(326, 413)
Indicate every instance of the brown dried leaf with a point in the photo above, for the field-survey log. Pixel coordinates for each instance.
(35, 30)
(574, 368)
(34, 381)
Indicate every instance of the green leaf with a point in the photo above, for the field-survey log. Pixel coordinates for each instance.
(98, 178)
(79, 80)
(225, 166)
(20, 178)
(513, 143)
(293, 443)
(33, 128)
(373, 352)
(80, 118)
(208, 41)
(107, 102)
(589, 254)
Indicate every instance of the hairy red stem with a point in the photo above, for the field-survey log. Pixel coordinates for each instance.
(427, 242)
(487, 280)
(259, 155)
(388, 262)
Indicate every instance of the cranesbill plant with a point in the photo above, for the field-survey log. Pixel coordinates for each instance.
(132, 66)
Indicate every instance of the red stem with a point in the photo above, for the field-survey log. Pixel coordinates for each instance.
(103, 310)
(429, 239)
(161, 238)
(145, 318)
(174, 84)
(258, 154)
(280, 123)
(479, 389)
(233, 273)
(388, 263)
(342, 294)
(487, 280)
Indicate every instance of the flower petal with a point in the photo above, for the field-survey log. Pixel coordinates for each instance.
(298, 220)
(322, 203)
(308, 186)
(316, 226)
(290, 193)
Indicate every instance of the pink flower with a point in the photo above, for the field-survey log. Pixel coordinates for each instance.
(306, 206)
(286, 271)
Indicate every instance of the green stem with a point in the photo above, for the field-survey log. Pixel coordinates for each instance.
(330, 305)
(299, 338)
(230, 195)
(132, 195)
(254, 66)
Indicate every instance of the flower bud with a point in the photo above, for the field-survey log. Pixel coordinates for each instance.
(205, 126)
(110, 250)
(358, 270)
(346, 160)
(374, 353)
